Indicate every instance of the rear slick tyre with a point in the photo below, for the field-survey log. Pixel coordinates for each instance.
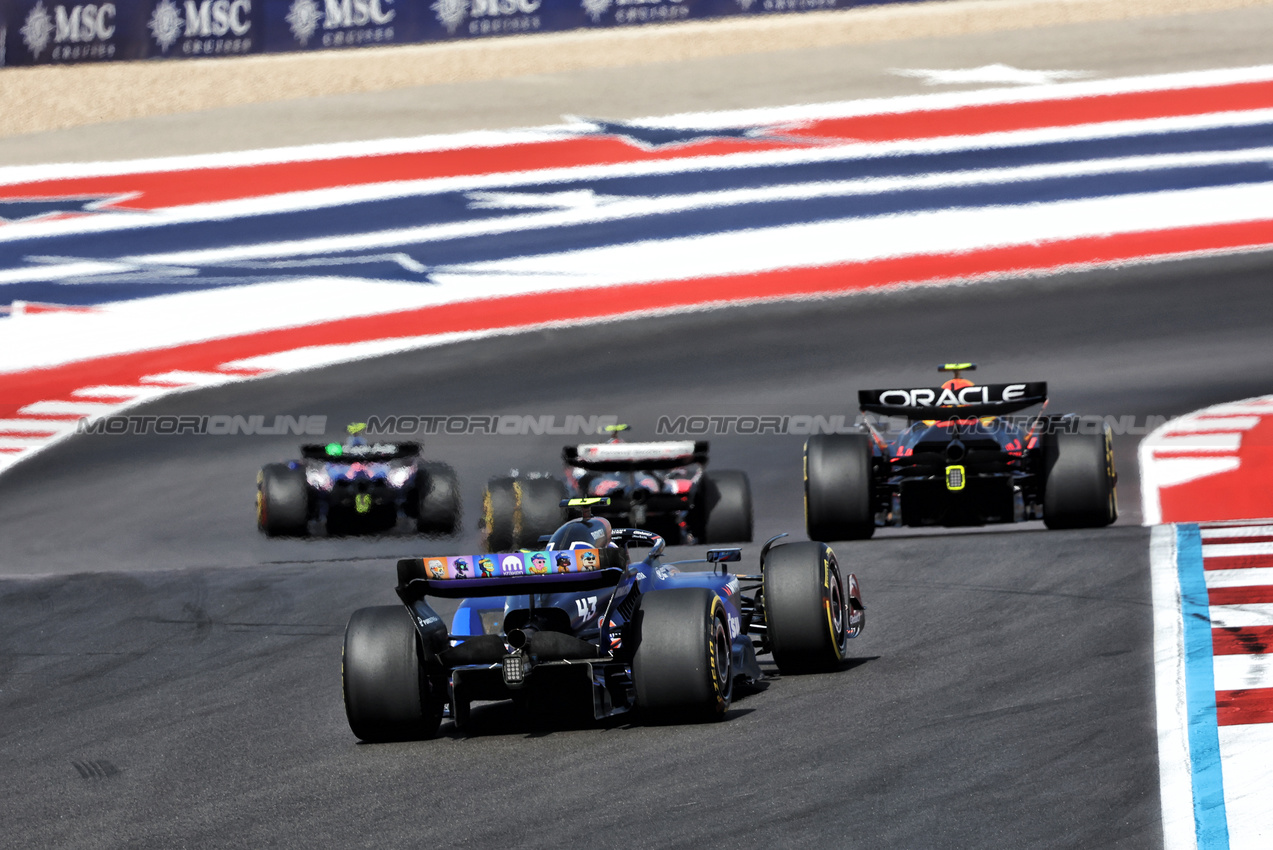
(439, 500)
(724, 502)
(499, 503)
(1080, 486)
(683, 666)
(839, 502)
(282, 501)
(387, 695)
(516, 512)
(539, 508)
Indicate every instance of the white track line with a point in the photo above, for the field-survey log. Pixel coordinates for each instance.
(1238, 531)
(35, 426)
(1172, 708)
(1239, 672)
(67, 408)
(1248, 776)
(1232, 550)
(1253, 577)
(1242, 616)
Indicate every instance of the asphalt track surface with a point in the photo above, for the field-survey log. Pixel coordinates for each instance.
(1001, 696)
(169, 678)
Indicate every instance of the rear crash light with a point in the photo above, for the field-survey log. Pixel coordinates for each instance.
(514, 670)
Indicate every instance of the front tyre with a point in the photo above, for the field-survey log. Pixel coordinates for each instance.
(282, 501)
(438, 491)
(806, 607)
(683, 665)
(839, 502)
(387, 695)
(1079, 486)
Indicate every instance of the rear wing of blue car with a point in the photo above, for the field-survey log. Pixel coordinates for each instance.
(510, 573)
(630, 457)
(372, 452)
(946, 403)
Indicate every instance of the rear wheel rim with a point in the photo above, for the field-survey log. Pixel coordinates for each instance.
(721, 649)
(837, 608)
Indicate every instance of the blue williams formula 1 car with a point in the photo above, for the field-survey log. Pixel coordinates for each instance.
(660, 486)
(580, 623)
(357, 487)
(961, 460)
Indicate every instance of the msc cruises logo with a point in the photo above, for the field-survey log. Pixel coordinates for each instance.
(451, 13)
(37, 30)
(76, 32)
(596, 8)
(209, 19)
(490, 17)
(304, 18)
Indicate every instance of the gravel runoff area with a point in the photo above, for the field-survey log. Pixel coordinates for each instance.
(58, 97)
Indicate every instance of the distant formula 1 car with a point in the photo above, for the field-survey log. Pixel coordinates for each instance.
(357, 487)
(960, 461)
(578, 625)
(662, 487)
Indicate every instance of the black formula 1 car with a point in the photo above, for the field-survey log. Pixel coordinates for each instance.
(961, 459)
(581, 629)
(662, 487)
(356, 487)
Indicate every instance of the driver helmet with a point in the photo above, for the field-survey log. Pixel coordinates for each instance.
(955, 385)
(592, 533)
(355, 430)
(614, 431)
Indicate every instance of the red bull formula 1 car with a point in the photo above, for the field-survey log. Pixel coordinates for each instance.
(582, 623)
(662, 487)
(961, 459)
(357, 487)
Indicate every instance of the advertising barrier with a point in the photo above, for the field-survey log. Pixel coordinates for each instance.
(44, 32)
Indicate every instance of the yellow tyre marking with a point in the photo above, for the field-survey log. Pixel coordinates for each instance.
(806, 483)
(826, 602)
(260, 499)
(717, 687)
(1113, 474)
(517, 515)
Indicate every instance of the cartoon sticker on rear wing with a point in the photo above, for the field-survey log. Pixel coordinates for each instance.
(621, 457)
(951, 403)
(510, 573)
